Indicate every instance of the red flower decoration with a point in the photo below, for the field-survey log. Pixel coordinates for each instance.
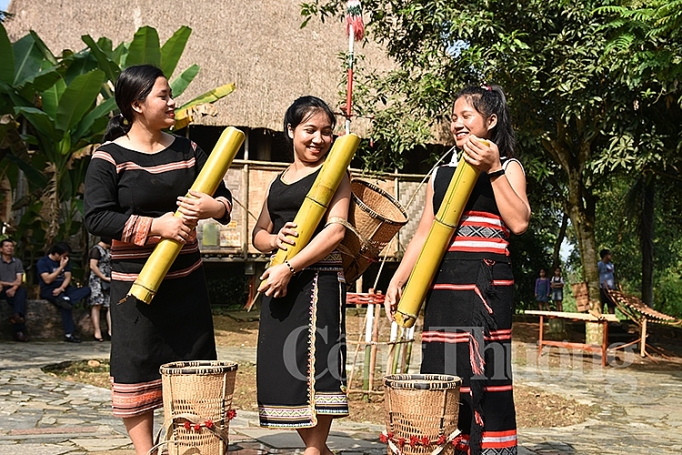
(383, 438)
(414, 441)
(459, 445)
(390, 435)
(425, 441)
(187, 425)
(231, 414)
(197, 427)
(442, 439)
(401, 442)
(209, 423)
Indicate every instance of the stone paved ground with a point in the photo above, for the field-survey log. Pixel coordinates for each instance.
(641, 412)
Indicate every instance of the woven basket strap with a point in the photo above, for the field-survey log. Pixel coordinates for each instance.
(339, 220)
(387, 397)
(449, 440)
(442, 415)
(158, 445)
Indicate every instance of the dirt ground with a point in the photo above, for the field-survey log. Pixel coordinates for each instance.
(534, 407)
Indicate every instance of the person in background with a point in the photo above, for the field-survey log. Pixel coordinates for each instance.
(11, 288)
(542, 291)
(470, 304)
(100, 282)
(54, 278)
(135, 182)
(557, 285)
(301, 377)
(607, 279)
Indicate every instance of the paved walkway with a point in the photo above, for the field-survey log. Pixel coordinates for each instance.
(641, 412)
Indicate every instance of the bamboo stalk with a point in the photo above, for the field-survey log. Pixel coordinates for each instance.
(155, 269)
(320, 195)
(442, 228)
(373, 348)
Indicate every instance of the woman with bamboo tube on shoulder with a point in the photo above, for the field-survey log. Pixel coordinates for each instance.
(301, 340)
(136, 180)
(469, 307)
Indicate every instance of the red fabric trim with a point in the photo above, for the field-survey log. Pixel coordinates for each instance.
(119, 276)
(129, 400)
(160, 169)
(144, 225)
(103, 156)
(499, 439)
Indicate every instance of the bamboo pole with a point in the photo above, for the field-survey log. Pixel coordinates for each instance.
(407, 350)
(442, 228)
(369, 324)
(320, 195)
(392, 358)
(373, 349)
(155, 269)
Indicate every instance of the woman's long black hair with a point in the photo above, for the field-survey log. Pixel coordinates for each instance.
(134, 84)
(489, 100)
(300, 110)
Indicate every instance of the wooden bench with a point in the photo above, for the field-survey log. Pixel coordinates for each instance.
(603, 319)
(641, 314)
(583, 305)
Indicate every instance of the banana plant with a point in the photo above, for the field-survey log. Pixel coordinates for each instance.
(59, 107)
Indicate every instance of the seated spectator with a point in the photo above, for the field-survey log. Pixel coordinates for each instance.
(11, 289)
(54, 277)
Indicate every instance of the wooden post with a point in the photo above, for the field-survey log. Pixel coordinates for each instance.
(369, 323)
(542, 323)
(373, 350)
(642, 346)
(392, 358)
(605, 342)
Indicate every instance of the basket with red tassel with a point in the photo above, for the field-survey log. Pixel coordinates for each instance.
(421, 414)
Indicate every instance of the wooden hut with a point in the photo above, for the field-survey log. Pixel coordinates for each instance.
(258, 45)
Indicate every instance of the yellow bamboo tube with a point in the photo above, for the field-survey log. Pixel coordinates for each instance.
(163, 256)
(320, 195)
(442, 228)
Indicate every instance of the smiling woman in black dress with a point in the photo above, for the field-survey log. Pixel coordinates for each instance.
(301, 340)
(134, 183)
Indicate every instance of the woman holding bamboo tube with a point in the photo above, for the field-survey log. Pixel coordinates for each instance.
(301, 341)
(136, 180)
(468, 313)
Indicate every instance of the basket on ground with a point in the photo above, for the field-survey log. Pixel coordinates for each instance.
(421, 413)
(376, 217)
(197, 396)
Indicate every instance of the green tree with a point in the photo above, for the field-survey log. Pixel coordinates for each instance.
(60, 106)
(550, 57)
(645, 49)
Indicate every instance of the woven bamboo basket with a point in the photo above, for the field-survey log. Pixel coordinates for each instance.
(421, 413)
(357, 254)
(197, 396)
(376, 217)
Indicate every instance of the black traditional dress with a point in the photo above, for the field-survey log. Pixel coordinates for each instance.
(124, 190)
(467, 320)
(301, 339)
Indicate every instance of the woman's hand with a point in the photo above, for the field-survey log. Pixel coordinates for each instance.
(275, 280)
(286, 236)
(199, 206)
(171, 227)
(482, 154)
(393, 295)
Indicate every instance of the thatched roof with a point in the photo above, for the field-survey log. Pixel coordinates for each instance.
(258, 45)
